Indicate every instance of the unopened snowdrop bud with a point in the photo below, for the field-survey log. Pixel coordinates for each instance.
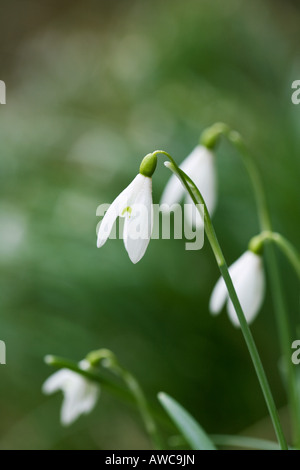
(248, 278)
(80, 394)
(200, 167)
(134, 204)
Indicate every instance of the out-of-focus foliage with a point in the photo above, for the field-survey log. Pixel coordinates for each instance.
(91, 88)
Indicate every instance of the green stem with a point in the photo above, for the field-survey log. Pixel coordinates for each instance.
(92, 374)
(107, 383)
(142, 405)
(256, 245)
(259, 194)
(283, 325)
(108, 360)
(255, 358)
(287, 249)
(210, 232)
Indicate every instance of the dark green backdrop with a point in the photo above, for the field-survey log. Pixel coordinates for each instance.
(91, 88)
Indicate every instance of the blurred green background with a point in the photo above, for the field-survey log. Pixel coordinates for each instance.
(91, 88)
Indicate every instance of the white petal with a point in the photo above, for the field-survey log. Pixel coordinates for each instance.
(115, 210)
(218, 297)
(139, 189)
(80, 394)
(173, 193)
(56, 381)
(199, 166)
(203, 174)
(92, 393)
(79, 399)
(108, 222)
(250, 288)
(69, 412)
(138, 225)
(220, 293)
(174, 190)
(136, 247)
(240, 266)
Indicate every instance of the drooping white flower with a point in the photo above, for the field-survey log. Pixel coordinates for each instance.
(248, 278)
(200, 167)
(135, 205)
(80, 394)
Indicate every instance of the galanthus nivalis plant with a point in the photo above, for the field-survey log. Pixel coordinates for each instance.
(200, 166)
(248, 278)
(241, 286)
(80, 394)
(134, 204)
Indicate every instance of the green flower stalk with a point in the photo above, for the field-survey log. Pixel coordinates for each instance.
(211, 235)
(199, 165)
(81, 386)
(109, 361)
(282, 318)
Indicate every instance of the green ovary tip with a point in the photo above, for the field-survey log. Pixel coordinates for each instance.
(148, 165)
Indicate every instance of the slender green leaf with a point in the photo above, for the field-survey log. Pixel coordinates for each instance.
(186, 424)
(244, 442)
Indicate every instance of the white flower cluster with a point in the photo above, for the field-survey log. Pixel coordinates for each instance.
(247, 273)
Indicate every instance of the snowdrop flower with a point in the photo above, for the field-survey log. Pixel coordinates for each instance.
(80, 394)
(248, 278)
(200, 167)
(134, 204)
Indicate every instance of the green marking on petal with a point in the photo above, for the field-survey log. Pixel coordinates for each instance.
(127, 209)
